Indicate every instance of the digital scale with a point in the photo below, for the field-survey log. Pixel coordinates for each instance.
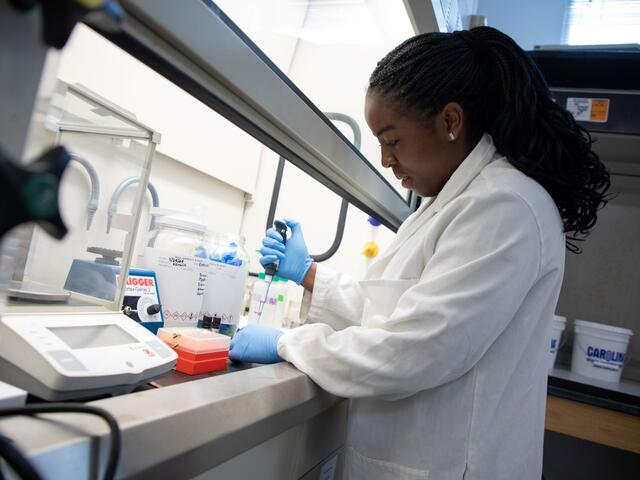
(73, 356)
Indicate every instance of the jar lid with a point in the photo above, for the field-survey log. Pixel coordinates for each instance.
(177, 219)
(603, 327)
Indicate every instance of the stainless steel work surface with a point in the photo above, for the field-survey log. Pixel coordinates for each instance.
(189, 427)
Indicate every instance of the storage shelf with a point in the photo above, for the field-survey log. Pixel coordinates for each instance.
(623, 396)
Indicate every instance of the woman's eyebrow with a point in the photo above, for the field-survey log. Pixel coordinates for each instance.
(385, 129)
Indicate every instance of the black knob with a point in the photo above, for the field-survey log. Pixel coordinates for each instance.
(32, 192)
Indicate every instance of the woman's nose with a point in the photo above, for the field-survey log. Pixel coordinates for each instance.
(386, 157)
(387, 160)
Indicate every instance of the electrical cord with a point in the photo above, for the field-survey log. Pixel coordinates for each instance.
(22, 466)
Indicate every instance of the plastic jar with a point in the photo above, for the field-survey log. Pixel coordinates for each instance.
(282, 299)
(227, 271)
(260, 288)
(175, 251)
(275, 307)
(557, 327)
(599, 350)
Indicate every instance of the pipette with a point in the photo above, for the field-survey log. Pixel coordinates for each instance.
(271, 269)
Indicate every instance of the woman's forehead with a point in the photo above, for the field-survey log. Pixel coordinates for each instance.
(378, 108)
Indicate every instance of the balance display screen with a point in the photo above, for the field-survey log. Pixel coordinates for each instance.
(93, 336)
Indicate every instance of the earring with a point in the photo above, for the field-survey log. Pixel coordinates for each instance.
(452, 137)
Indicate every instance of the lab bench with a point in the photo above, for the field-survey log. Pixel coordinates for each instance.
(268, 422)
(273, 422)
(592, 428)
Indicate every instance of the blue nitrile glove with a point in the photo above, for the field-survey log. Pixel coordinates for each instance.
(294, 256)
(256, 344)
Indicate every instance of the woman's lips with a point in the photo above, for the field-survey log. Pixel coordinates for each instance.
(404, 179)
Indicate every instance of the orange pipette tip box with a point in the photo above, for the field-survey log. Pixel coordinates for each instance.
(199, 350)
(196, 367)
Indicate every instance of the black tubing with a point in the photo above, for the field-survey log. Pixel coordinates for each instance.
(342, 217)
(276, 193)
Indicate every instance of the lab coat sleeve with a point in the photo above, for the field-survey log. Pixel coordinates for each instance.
(337, 300)
(483, 265)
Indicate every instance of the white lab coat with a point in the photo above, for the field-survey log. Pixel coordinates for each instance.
(443, 347)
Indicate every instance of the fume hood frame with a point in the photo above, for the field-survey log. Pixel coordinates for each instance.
(197, 47)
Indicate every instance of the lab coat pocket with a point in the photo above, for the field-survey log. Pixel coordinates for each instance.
(382, 296)
(360, 467)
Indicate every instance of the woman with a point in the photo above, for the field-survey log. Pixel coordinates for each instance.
(443, 347)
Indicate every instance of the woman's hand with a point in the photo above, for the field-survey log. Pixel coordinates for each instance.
(293, 256)
(255, 344)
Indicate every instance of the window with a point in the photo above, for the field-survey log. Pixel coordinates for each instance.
(596, 22)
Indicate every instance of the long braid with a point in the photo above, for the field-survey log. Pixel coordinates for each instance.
(502, 93)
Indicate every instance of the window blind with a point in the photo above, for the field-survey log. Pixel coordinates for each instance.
(596, 22)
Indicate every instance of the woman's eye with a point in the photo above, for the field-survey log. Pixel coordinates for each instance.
(392, 143)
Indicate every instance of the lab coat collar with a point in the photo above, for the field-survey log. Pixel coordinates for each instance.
(481, 155)
(469, 169)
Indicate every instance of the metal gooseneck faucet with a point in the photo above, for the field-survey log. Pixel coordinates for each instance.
(113, 203)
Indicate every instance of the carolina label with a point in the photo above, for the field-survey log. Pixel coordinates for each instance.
(605, 359)
(602, 354)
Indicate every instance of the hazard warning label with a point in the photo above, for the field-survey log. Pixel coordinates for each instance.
(589, 109)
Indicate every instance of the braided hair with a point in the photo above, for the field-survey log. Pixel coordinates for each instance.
(501, 92)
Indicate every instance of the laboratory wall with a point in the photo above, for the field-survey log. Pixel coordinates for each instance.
(528, 22)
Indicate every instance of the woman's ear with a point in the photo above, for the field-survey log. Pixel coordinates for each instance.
(452, 118)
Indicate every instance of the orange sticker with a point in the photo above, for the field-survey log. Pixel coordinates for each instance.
(599, 110)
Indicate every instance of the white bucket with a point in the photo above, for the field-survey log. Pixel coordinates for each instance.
(599, 350)
(558, 326)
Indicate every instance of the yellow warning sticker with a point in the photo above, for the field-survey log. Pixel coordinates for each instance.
(599, 110)
(589, 109)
